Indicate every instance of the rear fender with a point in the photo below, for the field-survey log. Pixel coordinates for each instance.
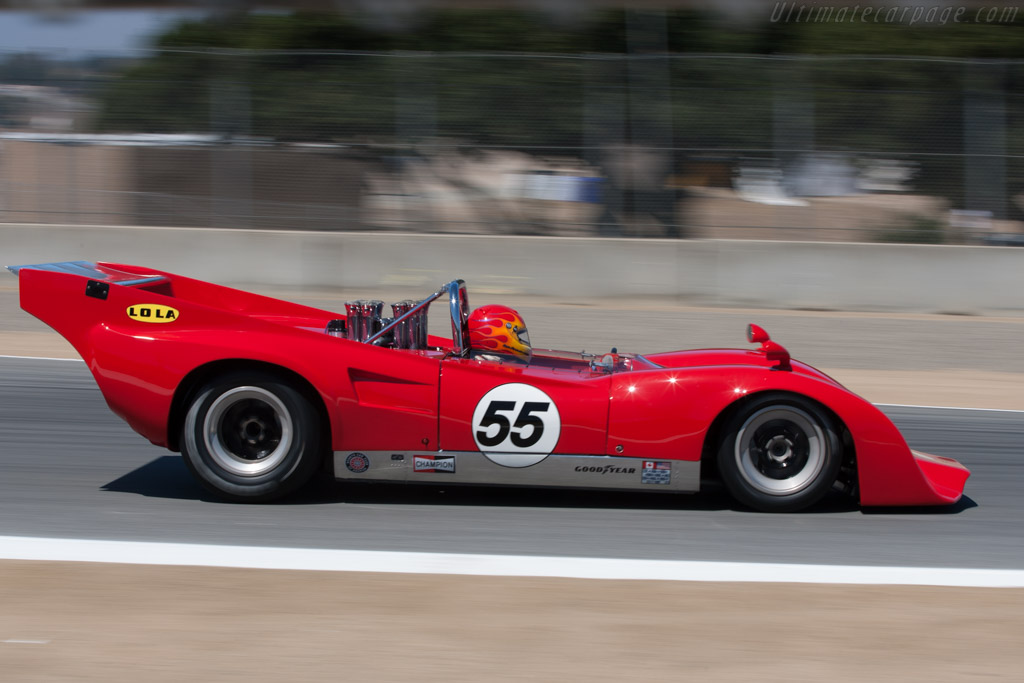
(139, 365)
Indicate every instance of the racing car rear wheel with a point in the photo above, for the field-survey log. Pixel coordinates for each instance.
(779, 453)
(249, 437)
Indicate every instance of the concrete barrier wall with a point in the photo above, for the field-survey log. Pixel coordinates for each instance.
(833, 276)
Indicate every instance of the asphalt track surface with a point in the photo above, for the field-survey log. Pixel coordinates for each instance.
(71, 469)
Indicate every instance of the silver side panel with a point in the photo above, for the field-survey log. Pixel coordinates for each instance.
(562, 471)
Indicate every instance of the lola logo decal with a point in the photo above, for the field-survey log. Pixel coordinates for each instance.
(152, 313)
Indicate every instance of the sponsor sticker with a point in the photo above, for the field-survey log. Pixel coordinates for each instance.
(605, 469)
(152, 313)
(433, 463)
(357, 462)
(656, 472)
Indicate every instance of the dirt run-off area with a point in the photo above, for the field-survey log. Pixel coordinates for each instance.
(122, 623)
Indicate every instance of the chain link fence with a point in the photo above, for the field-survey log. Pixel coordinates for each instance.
(645, 145)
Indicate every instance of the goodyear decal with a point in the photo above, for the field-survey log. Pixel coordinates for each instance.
(152, 313)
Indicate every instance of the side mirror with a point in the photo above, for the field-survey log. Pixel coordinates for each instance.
(773, 351)
(776, 353)
(756, 334)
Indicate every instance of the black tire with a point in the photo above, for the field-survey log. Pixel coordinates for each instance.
(251, 437)
(779, 453)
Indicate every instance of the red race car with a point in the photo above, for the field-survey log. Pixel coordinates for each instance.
(258, 393)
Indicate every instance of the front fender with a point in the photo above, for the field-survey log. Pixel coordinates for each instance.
(667, 413)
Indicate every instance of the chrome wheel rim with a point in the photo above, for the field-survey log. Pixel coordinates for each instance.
(248, 431)
(780, 450)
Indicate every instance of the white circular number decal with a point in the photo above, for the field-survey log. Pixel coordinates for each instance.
(516, 425)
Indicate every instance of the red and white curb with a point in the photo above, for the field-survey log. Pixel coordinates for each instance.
(311, 559)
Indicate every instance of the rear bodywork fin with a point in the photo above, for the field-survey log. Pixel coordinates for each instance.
(89, 269)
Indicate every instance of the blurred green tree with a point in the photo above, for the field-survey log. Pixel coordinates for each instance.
(519, 78)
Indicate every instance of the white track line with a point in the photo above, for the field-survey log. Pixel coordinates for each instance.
(187, 554)
(66, 360)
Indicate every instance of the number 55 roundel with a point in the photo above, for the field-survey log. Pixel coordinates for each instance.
(516, 425)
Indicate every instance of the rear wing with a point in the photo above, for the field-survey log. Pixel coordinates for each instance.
(94, 271)
(73, 297)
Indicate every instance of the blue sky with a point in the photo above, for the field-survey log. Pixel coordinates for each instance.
(79, 32)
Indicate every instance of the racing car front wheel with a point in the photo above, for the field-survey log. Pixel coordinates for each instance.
(251, 437)
(779, 453)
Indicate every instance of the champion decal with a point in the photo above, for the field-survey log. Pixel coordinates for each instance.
(434, 463)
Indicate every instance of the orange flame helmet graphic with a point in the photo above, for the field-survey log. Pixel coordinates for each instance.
(499, 329)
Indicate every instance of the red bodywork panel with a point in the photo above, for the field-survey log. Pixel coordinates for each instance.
(580, 394)
(378, 398)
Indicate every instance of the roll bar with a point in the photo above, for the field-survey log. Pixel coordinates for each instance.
(458, 306)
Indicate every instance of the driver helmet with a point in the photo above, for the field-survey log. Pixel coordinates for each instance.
(500, 330)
